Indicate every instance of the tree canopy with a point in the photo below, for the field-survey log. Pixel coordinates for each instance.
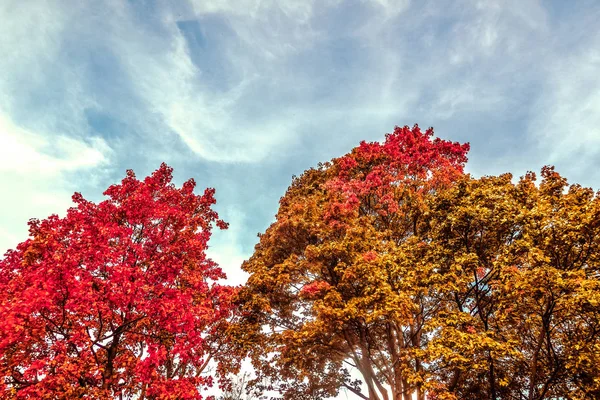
(117, 299)
(389, 273)
(393, 262)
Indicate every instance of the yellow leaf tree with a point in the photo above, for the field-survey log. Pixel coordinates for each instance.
(390, 261)
(531, 298)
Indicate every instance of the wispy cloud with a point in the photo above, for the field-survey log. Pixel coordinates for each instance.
(567, 117)
(25, 152)
(34, 174)
(244, 94)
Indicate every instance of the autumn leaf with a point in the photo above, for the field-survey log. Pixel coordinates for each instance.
(117, 299)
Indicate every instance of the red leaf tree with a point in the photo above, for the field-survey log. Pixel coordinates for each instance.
(117, 299)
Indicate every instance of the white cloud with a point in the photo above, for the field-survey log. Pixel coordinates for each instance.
(34, 171)
(167, 91)
(38, 83)
(568, 115)
(206, 122)
(565, 118)
(416, 59)
(24, 152)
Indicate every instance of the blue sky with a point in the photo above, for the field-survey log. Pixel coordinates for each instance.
(243, 94)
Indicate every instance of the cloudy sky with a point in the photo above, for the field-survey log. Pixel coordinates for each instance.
(243, 94)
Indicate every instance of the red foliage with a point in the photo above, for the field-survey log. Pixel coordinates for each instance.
(314, 290)
(408, 165)
(117, 299)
